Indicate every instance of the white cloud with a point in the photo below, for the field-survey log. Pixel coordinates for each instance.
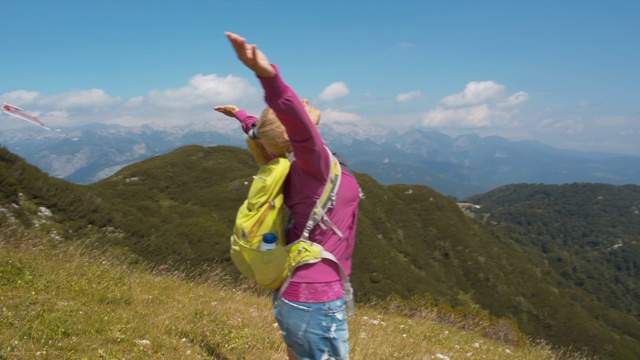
(333, 92)
(190, 103)
(468, 117)
(59, 117)
(20, 98)
(513, 100)
(331, 116)
(408, 97)
(94, 98)
(203, 89)
(347, 123)
(481, 105)
(134, 101)
(474, 93)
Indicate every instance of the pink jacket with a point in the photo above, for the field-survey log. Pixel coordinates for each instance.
(309, 170)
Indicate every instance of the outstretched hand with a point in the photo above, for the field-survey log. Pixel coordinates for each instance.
(251, 56)
(229, 110)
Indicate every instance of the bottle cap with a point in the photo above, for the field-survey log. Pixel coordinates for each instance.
(269, 238)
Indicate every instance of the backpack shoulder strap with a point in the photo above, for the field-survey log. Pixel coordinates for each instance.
(326, 200)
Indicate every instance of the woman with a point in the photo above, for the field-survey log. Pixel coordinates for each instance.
(311, 312)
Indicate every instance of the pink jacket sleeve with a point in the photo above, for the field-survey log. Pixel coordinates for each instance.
(308, 147)
(247, 121)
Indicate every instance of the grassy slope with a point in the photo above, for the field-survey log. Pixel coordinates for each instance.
(64, 300)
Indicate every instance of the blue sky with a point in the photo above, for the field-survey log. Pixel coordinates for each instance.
(565, 73)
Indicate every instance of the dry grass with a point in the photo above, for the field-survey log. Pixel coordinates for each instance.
(65, 301)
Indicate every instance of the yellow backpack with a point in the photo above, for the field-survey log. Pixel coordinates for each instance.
(264, 212)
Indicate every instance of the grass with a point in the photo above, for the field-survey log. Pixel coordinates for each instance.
(62, 300)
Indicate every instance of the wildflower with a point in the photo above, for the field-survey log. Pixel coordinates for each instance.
(443, 357)
(142, 342)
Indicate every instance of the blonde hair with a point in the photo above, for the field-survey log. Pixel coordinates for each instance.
(272, 142)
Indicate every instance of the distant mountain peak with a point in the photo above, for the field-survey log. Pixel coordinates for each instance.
(459, 166)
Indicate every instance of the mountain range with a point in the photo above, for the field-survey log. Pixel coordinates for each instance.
(456, 166)
(558, 261)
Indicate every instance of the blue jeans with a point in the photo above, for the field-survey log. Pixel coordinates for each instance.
(313, 330)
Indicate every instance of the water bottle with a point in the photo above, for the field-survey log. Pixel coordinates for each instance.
(268, 242)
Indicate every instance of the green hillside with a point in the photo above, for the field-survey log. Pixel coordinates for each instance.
(589, 234)
(66, 300)
(412, 241)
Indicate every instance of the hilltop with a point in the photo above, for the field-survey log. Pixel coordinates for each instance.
(177, 209)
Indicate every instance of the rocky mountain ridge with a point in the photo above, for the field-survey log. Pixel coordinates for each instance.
(457, 166)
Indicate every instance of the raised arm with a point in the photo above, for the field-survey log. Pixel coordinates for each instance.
(247, 121)
(303, 135)
(251, 56)
(229, 110)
